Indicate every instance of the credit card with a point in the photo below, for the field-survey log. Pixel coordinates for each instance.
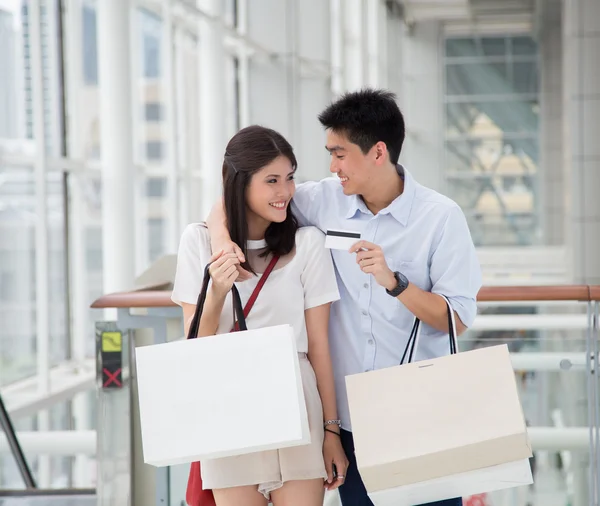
(341, 239)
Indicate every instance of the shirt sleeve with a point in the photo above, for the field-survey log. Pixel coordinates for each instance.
(318, 275)
(455, 271)
(192, 257)
(307, 203)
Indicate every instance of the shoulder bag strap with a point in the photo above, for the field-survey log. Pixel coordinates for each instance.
(238, 313)
(258, 288)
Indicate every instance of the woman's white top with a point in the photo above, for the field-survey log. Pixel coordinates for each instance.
(307, 280)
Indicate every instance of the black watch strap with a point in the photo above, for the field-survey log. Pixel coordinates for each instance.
(402, 284)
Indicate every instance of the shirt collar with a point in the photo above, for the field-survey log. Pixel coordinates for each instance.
(400, 206)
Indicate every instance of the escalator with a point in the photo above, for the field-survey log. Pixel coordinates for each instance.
(31, 495)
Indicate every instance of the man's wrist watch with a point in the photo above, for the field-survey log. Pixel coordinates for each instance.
(402, 284)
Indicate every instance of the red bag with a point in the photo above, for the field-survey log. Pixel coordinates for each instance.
(195, 495)
(476, 500)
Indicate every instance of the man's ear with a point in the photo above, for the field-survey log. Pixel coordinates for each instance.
(381, 153)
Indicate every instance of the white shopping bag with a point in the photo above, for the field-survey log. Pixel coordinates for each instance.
(441, 428)
(222, 395)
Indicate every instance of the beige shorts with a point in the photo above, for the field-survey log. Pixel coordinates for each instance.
(268, 470)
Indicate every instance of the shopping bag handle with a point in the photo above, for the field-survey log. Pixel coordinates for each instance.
(413, 339)
(238, 312)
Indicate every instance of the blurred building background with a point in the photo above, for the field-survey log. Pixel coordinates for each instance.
(114, 115)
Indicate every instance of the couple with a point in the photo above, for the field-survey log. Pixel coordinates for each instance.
(415, 244)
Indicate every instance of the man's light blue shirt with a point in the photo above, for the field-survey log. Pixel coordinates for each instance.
(425, 236)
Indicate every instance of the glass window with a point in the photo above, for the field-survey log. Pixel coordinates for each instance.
(461, 47)
(90, 47)
(152, 111)
(59, 345)
(151, 54)
(11, 83)
(7, 283)
(523, 46)
(94, 249)
(156, 218)
(231, 12)
(477, 79)
(60, 467)
(526, 77)
(492, 126)
(149, 128)
(154, 150)
(17, 265)
(10, 477)
(493, 46)
(156, 232)
(156, 187)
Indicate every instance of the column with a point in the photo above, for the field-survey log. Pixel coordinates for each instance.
(269, 90)
(289, 81)
(119, 234)
(376, 43)
(582, 130)
(168, 81)
(354, 44)
(337, 47)
(422, 105)
(78, 219)
(552, 173)
(581, 102)
(213, 138)
(392, 61)
(314, 87)
(42, 298)
(118, 174)
(552, 185)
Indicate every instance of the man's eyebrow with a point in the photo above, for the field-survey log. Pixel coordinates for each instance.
(334, 148)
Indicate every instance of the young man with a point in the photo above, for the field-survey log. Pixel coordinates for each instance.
(415, 246)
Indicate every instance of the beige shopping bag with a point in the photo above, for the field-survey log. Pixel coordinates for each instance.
(418, 425)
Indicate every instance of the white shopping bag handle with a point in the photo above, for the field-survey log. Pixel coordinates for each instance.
(413, 339)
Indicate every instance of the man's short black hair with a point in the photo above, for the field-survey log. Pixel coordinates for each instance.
(367, 117)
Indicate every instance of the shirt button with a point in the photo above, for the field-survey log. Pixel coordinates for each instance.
(364, 313)
(370, 341)
(366, 285)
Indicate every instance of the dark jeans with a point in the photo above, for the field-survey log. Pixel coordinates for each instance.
(353, 492)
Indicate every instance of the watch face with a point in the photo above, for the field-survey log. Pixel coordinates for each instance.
(401, 286)
(402, 279)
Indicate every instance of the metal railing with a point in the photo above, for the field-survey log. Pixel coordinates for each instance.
(31, 489)
(153, 308)
(15, 447)
(149, 316)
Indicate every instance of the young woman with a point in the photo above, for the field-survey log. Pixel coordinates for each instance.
(258, 186)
